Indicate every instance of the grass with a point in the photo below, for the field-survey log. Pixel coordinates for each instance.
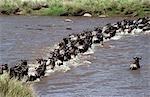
(54, 9)
(14, 88)
(79, 7)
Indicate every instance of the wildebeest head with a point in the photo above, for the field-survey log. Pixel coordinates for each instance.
(82, 36)
(40, 61)
(137, 58)
(61, 45)
(5, 67)
(66, 40)
(24, 62)
(99, 29)
(124, 22)
(106, 29)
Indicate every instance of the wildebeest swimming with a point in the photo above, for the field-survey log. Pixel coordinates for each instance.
(19, 70)
(135, 64)
(75, 44)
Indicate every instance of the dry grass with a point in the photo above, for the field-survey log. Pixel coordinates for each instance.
(14, 88)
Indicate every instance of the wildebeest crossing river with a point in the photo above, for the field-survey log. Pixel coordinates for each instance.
(104, 73)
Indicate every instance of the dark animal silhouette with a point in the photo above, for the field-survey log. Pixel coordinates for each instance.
(135, 65)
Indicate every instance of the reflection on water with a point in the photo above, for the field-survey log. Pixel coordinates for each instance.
(108, 73)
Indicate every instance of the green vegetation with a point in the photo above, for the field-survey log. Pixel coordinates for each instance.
(76, 7)
(13, 88)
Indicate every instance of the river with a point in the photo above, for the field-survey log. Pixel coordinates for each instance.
(105, 73)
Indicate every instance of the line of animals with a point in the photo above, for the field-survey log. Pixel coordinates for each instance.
(74, 44)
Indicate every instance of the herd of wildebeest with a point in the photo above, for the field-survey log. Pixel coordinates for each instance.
(76, 44)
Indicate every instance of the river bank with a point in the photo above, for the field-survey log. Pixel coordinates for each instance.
(14, 88)
(101, 8)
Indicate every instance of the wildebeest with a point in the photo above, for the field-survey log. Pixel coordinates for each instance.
(135, 65)
(3, 68)
(19, 70)
(39, 71)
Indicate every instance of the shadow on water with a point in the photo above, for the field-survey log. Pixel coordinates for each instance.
(108, 74)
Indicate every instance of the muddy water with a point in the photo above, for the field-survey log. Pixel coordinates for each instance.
(108, 75)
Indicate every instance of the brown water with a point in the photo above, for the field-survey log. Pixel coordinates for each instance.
(108, 75)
